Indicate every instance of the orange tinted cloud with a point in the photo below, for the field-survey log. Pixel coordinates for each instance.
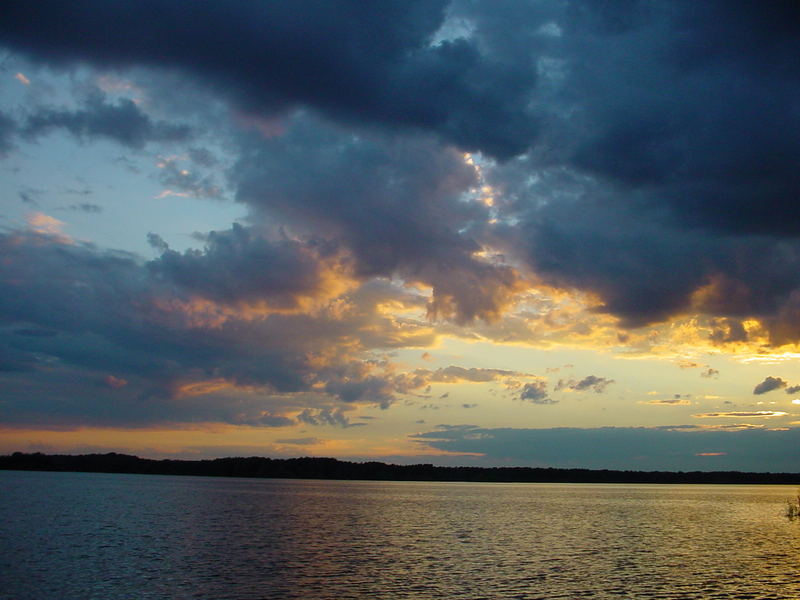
(115, 382)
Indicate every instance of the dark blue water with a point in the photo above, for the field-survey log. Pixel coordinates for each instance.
(77, 535)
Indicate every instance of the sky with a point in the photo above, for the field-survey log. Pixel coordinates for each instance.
(535, 233)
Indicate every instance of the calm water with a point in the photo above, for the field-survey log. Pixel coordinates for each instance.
(76, 535)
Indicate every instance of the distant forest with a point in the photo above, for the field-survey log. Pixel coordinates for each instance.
(331, 468)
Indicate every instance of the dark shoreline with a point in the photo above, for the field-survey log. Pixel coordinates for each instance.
(331, 468)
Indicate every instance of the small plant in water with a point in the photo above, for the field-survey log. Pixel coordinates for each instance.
(793, 508)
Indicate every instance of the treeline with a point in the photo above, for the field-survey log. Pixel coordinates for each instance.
(331, 468)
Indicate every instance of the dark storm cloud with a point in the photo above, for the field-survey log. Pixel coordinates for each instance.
(769, 384)
(666, 163)
(692, 104)
(396, 204)
(676, 448)
(650, 148)
(367, 62)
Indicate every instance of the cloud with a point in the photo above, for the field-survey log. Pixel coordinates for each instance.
(8, 131)
(115, 382)
(239, 267)
(86, 207)
(354, 61)
(189, 182)
(45, 224)
(306, 441)
(326, 416)
(625, 151)
(635, 448)
(769, 384)
(590, 382)
(122, 122)
(84, 313)
(742, 414)
(710, 373)
(456, 374)
(536, 393)
(670, 402)
(794, 389)
(622, 200)
(637, 159)
(397, 204)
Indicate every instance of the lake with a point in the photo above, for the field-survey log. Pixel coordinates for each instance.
(108, 536)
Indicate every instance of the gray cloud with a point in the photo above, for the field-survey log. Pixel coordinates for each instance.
(648, 153)
(82, 315)
(359, 62)
(122, 122)
(191, 182)
(396, 204)
(86, 207)
(590, 382)
(455, 374)
(8, 130)
(536, 393)
(326, 416)
(239, 266)
(769, 384)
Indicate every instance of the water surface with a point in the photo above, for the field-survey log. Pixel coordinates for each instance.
(108, 536)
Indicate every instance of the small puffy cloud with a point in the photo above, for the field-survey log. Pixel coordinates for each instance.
(536, 393)
(22, 79)
(710, 373)
(590, 382)
(769, 384)
(794, 389)
(326, 416)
